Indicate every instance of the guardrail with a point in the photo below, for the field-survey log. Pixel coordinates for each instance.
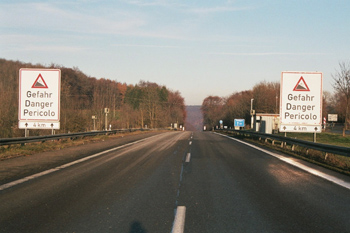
(339, 150)
(22, 140)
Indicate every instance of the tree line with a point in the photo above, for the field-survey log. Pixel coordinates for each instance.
(145, 104)
(238, 105)
(266, 99)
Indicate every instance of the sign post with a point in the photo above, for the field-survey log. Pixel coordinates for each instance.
(106, 112)
(39, 99)
(301, 102)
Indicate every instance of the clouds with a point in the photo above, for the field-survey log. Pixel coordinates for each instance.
(124, 18)
(189, 45)
(155, 3)
(69, 17)
(219, 9)
(270, 54)
(192, 7)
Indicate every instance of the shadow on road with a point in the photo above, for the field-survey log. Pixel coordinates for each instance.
(136, 227)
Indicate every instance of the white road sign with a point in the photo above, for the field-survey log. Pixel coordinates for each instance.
(39, 97)
(301, 102)
(333, 117)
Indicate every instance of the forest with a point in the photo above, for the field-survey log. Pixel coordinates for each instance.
(144, 105)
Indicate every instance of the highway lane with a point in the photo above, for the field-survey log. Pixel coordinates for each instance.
(126, 190)
(230, 187)
(225, 186)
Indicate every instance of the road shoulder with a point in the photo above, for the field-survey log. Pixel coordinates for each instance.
(19, 167)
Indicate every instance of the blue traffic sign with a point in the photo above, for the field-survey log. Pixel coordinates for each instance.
(239, 122)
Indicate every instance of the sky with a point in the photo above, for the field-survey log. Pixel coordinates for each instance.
(199, 48)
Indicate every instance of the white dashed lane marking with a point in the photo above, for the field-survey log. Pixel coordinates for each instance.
(179, 222)
(188, 157)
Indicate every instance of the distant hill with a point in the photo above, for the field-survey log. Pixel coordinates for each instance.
(194, 120)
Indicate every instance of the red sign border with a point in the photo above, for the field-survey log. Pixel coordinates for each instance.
(20, 97)
(36, 80)
(301, 73)
(301, 78)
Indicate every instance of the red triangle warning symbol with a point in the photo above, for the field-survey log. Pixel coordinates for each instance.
(39, 82)
(301, 85)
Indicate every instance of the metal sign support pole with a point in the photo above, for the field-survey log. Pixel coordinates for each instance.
(106, 127)
(315, 134)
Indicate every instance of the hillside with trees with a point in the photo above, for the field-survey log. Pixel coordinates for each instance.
(238, 104)
(143, 105)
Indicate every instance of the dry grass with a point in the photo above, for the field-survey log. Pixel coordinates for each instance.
(12, 151)
(324, 138)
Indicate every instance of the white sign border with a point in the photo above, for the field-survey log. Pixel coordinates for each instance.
(318, 125)
(57, 120)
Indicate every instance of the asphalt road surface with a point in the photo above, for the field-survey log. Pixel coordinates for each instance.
(219, 184)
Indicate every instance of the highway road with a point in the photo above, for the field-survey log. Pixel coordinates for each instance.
(211, 182)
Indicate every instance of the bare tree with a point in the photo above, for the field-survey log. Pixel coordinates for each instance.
(266, 95)
(342, 86)
(237, 106)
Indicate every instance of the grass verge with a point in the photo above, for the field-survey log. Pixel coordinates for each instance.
(324, 138)
(16, 150)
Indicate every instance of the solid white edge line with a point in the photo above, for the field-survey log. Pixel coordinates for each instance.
(297, 164)
(179, 222)
(31, 177)
(188, 157)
